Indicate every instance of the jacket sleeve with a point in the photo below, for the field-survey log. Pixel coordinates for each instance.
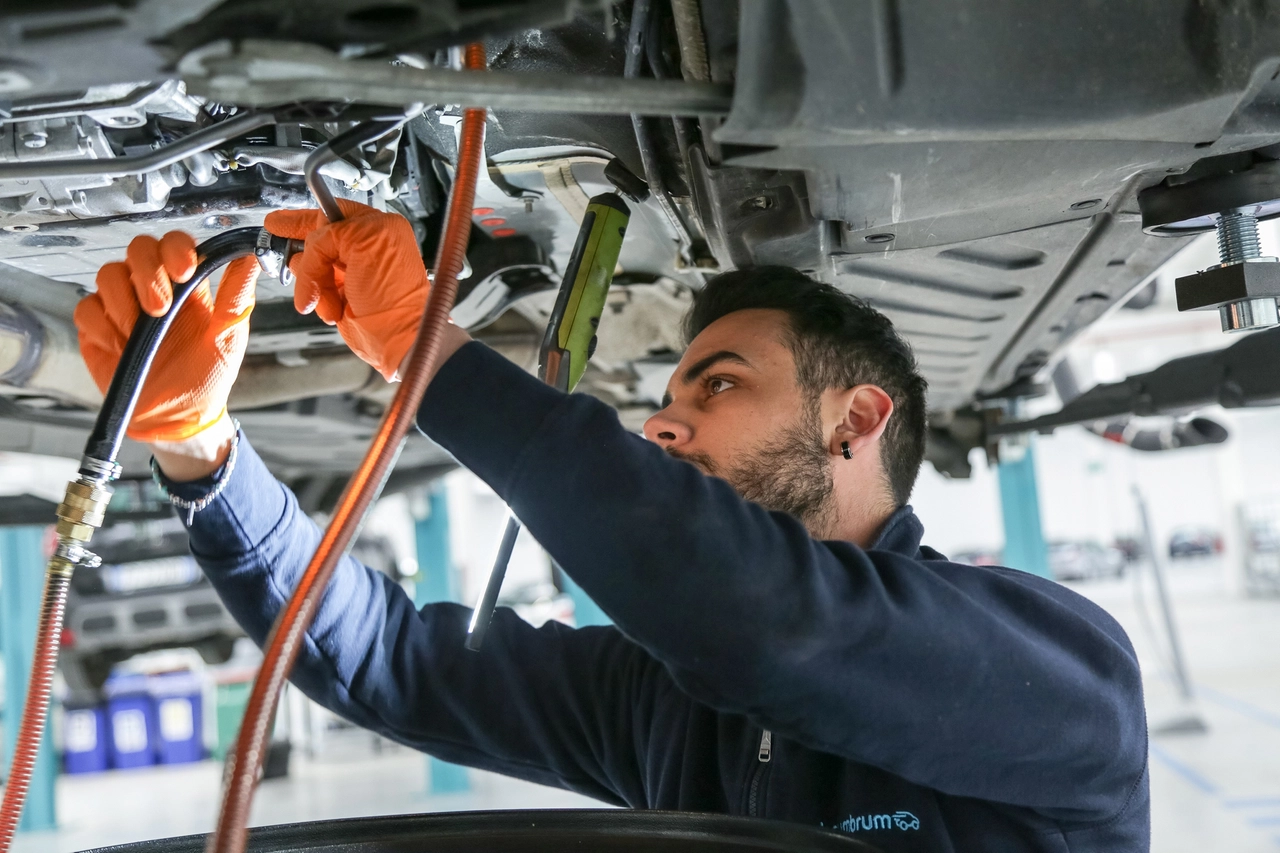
(551, 705)
(975, 682)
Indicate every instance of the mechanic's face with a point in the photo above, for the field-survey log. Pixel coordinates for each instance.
(735, 409)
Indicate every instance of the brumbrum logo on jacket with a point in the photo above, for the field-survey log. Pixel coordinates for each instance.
(862, 823)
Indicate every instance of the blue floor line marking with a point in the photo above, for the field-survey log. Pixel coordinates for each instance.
(1262, 715)
(1183, 770)
(1251, 802)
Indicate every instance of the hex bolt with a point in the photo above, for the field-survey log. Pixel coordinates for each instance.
(1238, 244)
(1238, 237)
(35, 139)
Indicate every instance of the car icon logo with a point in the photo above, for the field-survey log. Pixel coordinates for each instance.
(906, 820)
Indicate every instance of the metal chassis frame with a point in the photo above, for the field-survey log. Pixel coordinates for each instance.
(255, 72)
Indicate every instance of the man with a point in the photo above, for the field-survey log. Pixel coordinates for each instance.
(785, 646)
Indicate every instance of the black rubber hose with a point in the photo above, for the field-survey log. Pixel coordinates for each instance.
(135, 362)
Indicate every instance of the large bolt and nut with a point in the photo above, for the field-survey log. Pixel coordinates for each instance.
(1238, 237)
(1238, 244)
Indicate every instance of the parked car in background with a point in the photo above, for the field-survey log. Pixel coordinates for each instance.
(978, 557)
(1263, 538)
(1131, 547)
(149, 594)
(1085, 560)
(1194, 542)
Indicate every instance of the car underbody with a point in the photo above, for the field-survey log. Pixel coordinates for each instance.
(972, 169)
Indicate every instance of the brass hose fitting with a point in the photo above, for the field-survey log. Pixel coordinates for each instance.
(81, 510)
(79, 515)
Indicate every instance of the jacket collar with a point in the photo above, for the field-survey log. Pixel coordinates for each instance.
(901, 534)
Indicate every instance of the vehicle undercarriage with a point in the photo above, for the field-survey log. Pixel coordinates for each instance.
(974, 170)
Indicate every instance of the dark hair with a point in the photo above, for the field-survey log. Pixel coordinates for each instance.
(838, 341)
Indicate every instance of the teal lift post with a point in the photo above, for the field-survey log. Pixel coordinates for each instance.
(1024, 545)
(585, 611)
(22, 563)
(437, 581)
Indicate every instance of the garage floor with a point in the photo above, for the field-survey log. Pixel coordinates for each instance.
(1219, 790)
(348, 781)
(1214, 791)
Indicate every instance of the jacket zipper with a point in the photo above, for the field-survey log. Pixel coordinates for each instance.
(763, 757)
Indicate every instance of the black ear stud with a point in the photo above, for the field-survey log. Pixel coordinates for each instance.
(844, 448)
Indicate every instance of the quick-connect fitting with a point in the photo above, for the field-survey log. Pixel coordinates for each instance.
(81, 513)
(82, 509)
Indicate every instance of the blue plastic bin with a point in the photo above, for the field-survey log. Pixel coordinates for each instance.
(179, 719)
(84, 737)
(131, 720)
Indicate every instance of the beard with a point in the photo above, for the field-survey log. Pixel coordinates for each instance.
(788, 472)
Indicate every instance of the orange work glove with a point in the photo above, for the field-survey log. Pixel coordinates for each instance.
(186, 390)
(363, 274)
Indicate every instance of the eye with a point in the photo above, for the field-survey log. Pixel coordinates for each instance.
(716, 385)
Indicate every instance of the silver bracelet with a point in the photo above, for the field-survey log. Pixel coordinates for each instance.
(192, 507)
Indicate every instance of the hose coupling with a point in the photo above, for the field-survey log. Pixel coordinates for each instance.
(82, 510)
(274, 254)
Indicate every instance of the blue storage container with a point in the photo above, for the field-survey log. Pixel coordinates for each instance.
(180, 724)
(84, 738)
(131, 721)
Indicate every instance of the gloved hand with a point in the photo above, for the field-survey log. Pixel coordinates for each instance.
(186, 391)
(363, 274)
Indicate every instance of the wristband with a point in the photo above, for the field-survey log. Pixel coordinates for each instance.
(192, 507)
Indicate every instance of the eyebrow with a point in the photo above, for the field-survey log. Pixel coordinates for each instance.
(702, 365)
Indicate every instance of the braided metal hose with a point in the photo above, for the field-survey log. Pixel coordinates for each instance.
(53, 607)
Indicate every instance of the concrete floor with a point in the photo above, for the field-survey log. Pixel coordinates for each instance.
(1214, 791)
(347, 781)
(1219, 790)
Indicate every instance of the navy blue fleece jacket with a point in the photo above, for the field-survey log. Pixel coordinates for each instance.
(915, 703)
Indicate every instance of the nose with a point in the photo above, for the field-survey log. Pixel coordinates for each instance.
(667, 430)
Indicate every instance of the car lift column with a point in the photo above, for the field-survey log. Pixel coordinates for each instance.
(1024, 546)
(22, 559)
(436, 581)
(585, 611)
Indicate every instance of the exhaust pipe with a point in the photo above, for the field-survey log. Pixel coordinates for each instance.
(1166, 433)
(39, 354)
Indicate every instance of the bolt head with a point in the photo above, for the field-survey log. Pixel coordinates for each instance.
(35, 139)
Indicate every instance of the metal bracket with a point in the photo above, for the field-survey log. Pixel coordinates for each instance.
(254, 71)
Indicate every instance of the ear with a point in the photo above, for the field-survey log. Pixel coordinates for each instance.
(866, 411)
